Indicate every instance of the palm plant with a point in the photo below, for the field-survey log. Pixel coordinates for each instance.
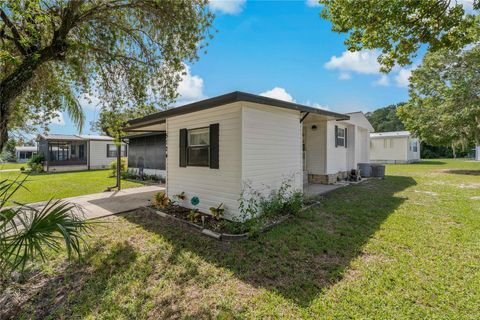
(26, 231)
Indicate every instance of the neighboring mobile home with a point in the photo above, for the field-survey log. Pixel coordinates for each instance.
(218, 146)
(394, 147)
(25, 153)
(77, 152)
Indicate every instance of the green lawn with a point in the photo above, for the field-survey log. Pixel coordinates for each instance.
(404, 247)
(12, 165)
(40, 187)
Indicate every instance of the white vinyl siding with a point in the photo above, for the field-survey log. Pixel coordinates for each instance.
(389, 149)
(315, 145)
(336, 156)
(211, 186)
(362, 145)
(98, 154)
(272, 147)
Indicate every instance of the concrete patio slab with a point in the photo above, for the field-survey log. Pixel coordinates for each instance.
(103, 204)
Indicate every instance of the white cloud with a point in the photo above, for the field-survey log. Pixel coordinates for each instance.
(344, 76)
(316, 105)
(382, 81)
(312, 3)
(227, 6)
(467, 5)
(190, 88)
(403, 78)
(364, 62)
(58, 120)
(89, 101)
(282, 94)
(278, 93)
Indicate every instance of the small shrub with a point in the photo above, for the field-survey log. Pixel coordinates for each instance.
(281, 201)
(38, 158)
(123, 168)
(22, 169)
(194, 215)
(294, 203)
(129, 174)
(161, 200)
(181, 196)
(217, 212)
(36, 163)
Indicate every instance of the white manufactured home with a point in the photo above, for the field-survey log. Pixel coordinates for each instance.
(217, 146)
(394, 147)
(24, 153)
(77, 152)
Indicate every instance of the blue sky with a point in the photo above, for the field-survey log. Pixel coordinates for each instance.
(284, 50)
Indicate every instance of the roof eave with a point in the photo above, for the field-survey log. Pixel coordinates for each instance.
(235, 96)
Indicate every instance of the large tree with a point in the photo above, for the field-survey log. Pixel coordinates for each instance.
(400, 27)
(125, 52)
(385, 119)
(444, 105)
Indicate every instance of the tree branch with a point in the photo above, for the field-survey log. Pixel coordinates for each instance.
(17, 38)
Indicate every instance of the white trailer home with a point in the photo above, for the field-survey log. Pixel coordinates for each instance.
(24, 153)
(77, 152)
(217, 146)
(394, 147)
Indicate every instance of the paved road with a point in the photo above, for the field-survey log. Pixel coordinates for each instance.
(107, 203)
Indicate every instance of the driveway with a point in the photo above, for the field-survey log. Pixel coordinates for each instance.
(103, 204)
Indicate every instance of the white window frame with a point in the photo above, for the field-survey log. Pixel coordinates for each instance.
(205, 130)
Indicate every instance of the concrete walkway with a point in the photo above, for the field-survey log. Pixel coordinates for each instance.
(312, 190)
(107, 203)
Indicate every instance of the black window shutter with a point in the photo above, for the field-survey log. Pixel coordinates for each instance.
(183, 147)
(214, 146)
(336, 136)
(345, 137)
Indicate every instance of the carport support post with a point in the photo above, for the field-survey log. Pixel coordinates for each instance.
(119, 165)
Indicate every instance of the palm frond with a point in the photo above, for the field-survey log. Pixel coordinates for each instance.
(26, 232)
(74, 109)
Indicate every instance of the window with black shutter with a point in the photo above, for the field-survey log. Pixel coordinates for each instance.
(340, 137)
(200, 147)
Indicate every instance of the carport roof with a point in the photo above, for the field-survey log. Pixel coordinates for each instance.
(235, 96)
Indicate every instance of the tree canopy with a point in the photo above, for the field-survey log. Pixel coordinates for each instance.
(399, 28)
(128, 53)
(386, 119)
(444, 105)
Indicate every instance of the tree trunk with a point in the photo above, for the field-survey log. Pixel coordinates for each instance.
(15, 83)
(3, 122)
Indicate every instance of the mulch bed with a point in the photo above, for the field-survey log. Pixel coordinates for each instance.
(220, 229)
(204, 220)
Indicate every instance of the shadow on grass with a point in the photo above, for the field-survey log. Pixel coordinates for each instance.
(463, 172)
(86, 281)
(306, 254)
(430, 162)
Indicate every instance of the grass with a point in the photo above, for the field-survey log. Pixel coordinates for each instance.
(12, 165)
(41, 187)
(404, 247)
